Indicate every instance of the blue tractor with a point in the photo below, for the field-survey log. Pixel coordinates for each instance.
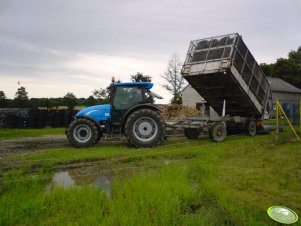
(128, 113)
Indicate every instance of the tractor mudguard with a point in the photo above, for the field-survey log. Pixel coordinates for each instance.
(134, 108)
(91, 119)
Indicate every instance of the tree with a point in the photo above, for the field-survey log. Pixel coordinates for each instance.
(3, 100)
(47, 102)
(140, 77)
(174, 80)
(101, 95)
(90, 101)
(287, 69)
(34, 102)
(56, 102)
(21, 97)
(70, 101)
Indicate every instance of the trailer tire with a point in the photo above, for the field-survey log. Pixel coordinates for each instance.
(218, 132)
(145, 128)
(251, 128)
(82, 133)
(191, 133)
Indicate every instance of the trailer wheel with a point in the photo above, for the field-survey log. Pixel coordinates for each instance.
(251, 128)
(191, 133)
(218, 132)
(83, 133)
(145, 128)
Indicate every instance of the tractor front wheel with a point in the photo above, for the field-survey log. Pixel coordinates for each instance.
(83, 133)
(145, 128)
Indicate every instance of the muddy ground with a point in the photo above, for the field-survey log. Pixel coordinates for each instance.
(32, 144)
(26, 144)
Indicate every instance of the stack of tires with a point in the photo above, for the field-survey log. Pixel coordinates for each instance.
(35, 118)
(11, 121)
(31, 118)
(58, 119)
(41, 119)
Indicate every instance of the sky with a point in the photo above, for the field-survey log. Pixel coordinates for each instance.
(52, 47)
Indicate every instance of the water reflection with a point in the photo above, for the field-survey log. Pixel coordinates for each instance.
(99, 176)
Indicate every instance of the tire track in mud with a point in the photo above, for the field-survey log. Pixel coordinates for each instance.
(34, 144)
(31, 144)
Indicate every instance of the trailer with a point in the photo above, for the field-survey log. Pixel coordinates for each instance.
(224, 72)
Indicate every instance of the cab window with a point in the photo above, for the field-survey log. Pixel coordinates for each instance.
(126, 97)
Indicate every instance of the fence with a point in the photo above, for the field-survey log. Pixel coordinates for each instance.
(35, 118)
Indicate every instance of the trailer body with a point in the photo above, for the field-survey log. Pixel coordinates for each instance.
(222, 68)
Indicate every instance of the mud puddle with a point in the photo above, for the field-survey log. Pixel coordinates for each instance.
(99, 176)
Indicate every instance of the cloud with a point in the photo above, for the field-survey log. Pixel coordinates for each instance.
(56, 46)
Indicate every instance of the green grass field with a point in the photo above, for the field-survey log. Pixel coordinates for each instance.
(15, 133)
(182, 182)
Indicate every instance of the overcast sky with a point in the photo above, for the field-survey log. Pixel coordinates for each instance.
(57, 46)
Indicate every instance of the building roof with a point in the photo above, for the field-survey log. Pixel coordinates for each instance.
(279, 85)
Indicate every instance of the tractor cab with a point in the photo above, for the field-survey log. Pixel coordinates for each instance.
(127, 96)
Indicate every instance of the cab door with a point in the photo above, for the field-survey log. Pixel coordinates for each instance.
(124, 98)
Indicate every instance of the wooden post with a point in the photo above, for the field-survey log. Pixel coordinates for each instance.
(277, 122)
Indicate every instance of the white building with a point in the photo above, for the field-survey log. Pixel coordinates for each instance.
(191, 98)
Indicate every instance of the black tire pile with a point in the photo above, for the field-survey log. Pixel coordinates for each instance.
(35, 118)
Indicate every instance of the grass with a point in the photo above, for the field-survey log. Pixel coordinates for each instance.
(15, 133)
(190, 183)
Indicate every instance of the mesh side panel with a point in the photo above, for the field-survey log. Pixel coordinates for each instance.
(257, 72)
(215, 54)
(250, 60)
(231, 41)
(214, 43)
(254, 84)
(202, 45)
(227, 52)
(247, 73)
(223, 41)
(261, 95)
(238, 61)
(264, 83)
(242, 48)
(199, 56)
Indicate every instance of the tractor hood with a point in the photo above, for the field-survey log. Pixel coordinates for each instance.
(97, 112)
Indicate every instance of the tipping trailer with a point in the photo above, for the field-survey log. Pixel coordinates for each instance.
(224, 72)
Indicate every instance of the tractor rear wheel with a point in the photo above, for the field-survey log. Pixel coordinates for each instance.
(145, 128)
(83, 133)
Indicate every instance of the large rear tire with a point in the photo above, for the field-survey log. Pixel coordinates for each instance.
(145, 128)
(83, 133)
